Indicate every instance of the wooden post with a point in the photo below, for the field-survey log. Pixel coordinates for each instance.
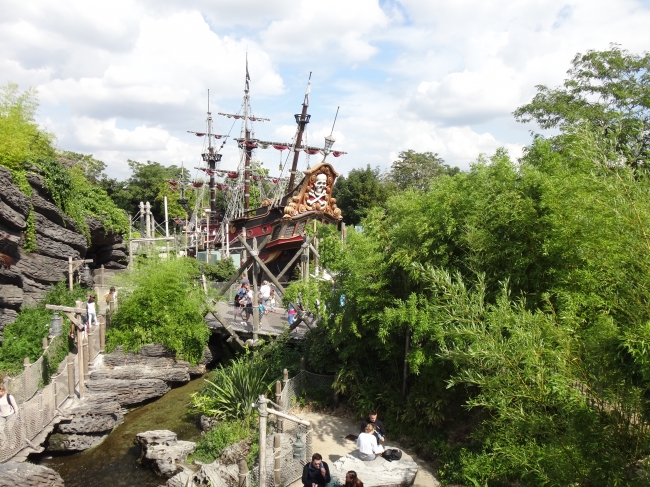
(278, 399)
(244, 254)
(261, 409)
(277, 460)
(243, 471)
(26, 363)
(101, 274)
(80, 360)
(86, 356)
(285, 378)
(102, 334)
(309, 442)
(256, 309)
(316, 261)
(70, 274)
(44, 343)
(303, 369)
(70, 375)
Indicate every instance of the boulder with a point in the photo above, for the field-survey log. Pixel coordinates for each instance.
(10, 276)
(34, 291)
(7, 316)
(379, 472)
(10, 296)
(40, 267)
(129, 392)
(111, 256)
(9, 236)
(98, 414)
(63, 442)
(100, 236)
(117, 246)
(60, 234)
(151, 355)
(207, 423)
(11, 217)
(52, 212)
(52, 248)
(114, 265)
(175, 373)
(12, 195)
(163, 451)
(36, 181)
(214, 474)
(13, 474)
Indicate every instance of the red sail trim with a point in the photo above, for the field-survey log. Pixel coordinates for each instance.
(199, 134)
(252, 145)
(197, 185)
(173, 183)
(337, 154)
(233, 175)
(312, 151)
(173, 188)
(280, 147)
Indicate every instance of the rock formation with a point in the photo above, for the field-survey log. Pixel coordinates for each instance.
(26, 277)
(14, 474)
(163, 451)
(379, 472)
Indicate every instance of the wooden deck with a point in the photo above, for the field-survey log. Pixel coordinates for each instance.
(272, 324)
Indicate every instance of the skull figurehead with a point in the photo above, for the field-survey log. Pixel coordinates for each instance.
(318, 192)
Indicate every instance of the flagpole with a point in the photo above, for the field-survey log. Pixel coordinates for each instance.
(302, 119)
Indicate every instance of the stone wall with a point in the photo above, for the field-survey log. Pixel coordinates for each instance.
(26, 277)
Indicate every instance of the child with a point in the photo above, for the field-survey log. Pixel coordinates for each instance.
(291, 314)
(92, 311)
(272, 300)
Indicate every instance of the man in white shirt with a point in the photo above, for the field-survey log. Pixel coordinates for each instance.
(265, 294)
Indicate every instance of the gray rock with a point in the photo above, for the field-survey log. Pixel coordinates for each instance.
(52, 248)
(213, 474)
(11, 217)
(12, 195)
(7, 316)
(114, 265)
(107, 248)
(34, 291)
(114, 255)
(63, 442)
(91, 423)
(129, 392)
(40, 267)
(8, 235)
(100, 236)
(151, 355)
(233, 453)
(175, 373)
(52, 212)
(162, 450)
(379, 472)
(207, 423)
(10, 276)
(13, 474)
(37, 181)
(10, 296)
(57, 232)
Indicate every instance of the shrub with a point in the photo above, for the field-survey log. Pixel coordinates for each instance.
(211, 445)
(161, 302)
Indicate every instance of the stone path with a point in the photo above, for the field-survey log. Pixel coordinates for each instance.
(329, 441)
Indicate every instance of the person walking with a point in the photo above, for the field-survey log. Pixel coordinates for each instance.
(8, 406)
(265, 294)
(91, 311)
(272, 300)
(316, 473)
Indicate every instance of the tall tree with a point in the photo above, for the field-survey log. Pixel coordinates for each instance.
(415, 170)
(609, 89)
(92, 168)
(358, 193)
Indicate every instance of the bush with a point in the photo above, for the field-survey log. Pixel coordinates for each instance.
(24, 337)
(161, 302)
(225, 433)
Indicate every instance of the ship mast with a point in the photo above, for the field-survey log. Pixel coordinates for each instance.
(302, 119)
(212, 159)
(247, 136)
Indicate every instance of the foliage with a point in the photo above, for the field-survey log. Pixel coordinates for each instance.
(91, 168)
(225, 433)
(161, 302)
(415, 170)
(231, 390)
(360, 191)
(221, 271)
(24, 337)
(609, 89)
(29, 244)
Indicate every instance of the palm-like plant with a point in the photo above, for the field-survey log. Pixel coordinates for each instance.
(231, 390)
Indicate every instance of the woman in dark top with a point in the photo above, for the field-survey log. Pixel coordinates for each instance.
(351, 479)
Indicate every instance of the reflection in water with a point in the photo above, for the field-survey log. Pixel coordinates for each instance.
(113, 463)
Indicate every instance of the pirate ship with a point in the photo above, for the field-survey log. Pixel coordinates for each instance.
(254, 203)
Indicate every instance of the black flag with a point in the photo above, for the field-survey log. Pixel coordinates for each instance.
(248, 78)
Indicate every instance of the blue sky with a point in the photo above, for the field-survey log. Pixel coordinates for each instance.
(125, 80)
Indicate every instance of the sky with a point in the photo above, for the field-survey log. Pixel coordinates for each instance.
(127, 79)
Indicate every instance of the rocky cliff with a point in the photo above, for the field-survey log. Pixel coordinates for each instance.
(25, 277)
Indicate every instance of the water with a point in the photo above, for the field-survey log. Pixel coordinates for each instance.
(114, 462)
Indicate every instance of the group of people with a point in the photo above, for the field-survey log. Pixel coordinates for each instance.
(244, 298)
(317, 474)
(90, 318)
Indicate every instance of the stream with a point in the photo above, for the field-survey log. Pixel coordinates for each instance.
(114, 462)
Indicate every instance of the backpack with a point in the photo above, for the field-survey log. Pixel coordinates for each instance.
(391, 454)
(239, 295)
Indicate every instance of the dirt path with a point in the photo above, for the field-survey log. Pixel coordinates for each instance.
(329, 441)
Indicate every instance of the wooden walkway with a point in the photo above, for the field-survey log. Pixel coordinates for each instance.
(272, 324)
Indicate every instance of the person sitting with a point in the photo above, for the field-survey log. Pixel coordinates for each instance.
(367, 443)
(380, 429)
(316, 472)
(351, 479)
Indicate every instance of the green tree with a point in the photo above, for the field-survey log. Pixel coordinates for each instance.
(92, 168)
(415, 170)
(358, 193)
(609, 89)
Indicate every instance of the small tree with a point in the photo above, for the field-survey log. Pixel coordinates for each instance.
(415, 170)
